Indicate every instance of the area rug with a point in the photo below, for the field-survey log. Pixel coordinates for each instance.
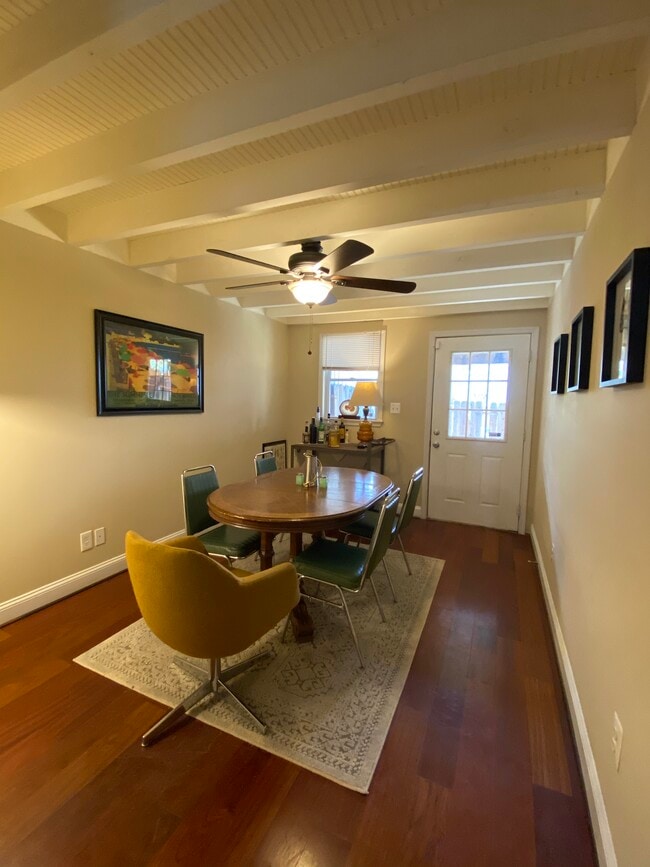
(323, 711)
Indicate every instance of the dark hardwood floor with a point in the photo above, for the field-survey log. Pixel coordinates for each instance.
(479, 767)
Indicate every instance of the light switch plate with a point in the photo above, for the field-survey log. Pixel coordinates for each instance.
(395, 407)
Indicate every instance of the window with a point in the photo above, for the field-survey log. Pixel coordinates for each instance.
(345, 360)
(478, 395)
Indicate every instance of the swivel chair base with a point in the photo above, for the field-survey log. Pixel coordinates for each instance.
(217, 679)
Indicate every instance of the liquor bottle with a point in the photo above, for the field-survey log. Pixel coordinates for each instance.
(341, 432)
(321, 431)
(305, 433)
(318, 419)
(313, 431)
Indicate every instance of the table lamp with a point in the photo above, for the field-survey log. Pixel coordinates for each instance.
(365, 394)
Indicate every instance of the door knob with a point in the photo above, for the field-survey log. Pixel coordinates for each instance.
(436, 445)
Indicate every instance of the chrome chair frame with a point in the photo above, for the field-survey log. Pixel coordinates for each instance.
(263, 456)
(388, 508)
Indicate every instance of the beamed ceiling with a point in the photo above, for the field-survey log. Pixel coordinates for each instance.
(466, 141)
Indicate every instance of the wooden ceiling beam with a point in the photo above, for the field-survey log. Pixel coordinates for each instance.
(383, 65)
(67, 37)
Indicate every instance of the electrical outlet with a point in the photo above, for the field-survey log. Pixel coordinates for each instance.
(86, 540)
(395, 407)
(617, 740)
(100, 536)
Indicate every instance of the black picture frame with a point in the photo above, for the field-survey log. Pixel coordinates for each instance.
(145, 368)
(582, 330)
(279, 449)
(558, 371)
(626, 321)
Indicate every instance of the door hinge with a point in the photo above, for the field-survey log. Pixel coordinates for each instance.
(437, 343)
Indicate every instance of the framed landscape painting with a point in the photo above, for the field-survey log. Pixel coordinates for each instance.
(145, 367)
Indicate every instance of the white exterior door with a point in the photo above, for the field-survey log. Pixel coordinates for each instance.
(478, 418)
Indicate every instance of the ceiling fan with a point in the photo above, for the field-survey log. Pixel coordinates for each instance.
(312, 274)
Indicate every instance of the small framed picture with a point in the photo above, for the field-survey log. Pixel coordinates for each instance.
(582, 329)
(279, 449)
(558, 371)
(626, 321)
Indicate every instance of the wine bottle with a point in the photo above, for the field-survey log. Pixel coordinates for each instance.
(313, 431)
(321, 431)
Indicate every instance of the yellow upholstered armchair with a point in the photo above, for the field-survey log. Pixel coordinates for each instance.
(202, 609)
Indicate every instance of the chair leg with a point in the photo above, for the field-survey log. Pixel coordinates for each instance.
(408, 568)
(354, 634)
(374, 590)
(175, 714)
(390, 583)
(238, 667)
(286, 626)
(258, 722)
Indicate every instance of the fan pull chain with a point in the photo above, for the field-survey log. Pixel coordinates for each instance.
(311, 326)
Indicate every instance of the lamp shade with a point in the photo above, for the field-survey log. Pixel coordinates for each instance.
(365, 394)
(310, 291)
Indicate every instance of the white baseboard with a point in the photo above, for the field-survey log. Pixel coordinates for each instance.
(596, 803)
(29, 602)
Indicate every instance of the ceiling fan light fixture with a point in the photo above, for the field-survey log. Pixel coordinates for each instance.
(310, 291)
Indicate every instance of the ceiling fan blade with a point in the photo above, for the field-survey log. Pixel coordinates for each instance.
(249, 261)
(403, 286)
(257, 285)
(347, 254)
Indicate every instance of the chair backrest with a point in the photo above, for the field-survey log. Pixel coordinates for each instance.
(198, 483)
(411, 498)
(383, 534)
(265, 462)
(197, 606)
(184, 595)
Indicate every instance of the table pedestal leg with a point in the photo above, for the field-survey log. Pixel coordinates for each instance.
(266, 550)
(301, 622)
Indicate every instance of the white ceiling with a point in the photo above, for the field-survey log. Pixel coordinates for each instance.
(464, 140)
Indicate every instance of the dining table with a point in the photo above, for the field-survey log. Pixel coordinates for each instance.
(276, 503)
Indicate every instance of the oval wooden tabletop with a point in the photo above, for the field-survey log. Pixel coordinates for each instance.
(274, 501)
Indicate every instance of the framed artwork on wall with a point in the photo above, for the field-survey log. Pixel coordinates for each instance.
(279, 449)
(558, 371)
(145, 368)
(582, 329)
(626, 321)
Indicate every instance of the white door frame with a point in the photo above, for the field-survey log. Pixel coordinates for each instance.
(533, 331)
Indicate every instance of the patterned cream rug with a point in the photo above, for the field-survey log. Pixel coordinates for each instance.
(323, 711)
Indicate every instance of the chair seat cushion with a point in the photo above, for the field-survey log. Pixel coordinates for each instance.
(231, 541)
(333, 562)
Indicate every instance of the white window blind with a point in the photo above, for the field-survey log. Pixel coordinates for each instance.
(360, 351)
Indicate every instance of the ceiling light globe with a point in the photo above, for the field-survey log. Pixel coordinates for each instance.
(309, 291)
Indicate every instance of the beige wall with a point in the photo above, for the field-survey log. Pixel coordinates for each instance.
(591, 514)
(65, 470)
(406, 378)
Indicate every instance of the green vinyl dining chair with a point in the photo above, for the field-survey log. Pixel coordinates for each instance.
(264, 462)
(221, 540)
(364, 527)
(345, 567)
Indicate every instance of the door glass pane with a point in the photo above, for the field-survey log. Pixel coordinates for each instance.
(458, 396)
(459, 366)
(478, 395)
(457, 423)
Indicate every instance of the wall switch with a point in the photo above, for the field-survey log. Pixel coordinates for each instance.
(100, 536)
(617, 740)
(86, 540)
(395, 407)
